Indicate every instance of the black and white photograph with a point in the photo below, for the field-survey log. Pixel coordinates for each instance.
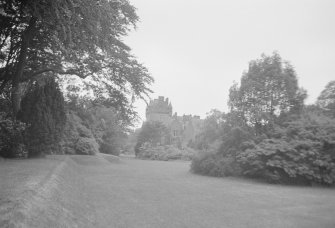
(167, 114)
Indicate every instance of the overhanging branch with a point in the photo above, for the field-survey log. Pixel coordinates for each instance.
(57, 71)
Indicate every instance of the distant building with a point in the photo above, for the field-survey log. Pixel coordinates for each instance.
(183, 129)
(159, 110)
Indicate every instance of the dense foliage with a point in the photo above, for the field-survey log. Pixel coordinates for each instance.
(299, 151)
(12, 138)
(65, 39)
(96, 126)
(154, 133)
(78, 138)
(44, 112)
(164, 152)
(269, 134)
(154, 142)
(211, 132)
(326, 100)
(130, 141)
(71, 37)
(213, 164)
(268, 90)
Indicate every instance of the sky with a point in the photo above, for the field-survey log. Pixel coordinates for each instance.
(196, 49)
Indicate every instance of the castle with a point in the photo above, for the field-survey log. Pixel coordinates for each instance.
(183, 129)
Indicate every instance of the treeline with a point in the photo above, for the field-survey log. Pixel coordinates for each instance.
(50, 123)
(154, 141)
(43, 44)
(269, 133)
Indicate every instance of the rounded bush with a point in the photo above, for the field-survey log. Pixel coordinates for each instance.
(87, 146)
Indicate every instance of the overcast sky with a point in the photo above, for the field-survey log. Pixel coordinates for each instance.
(195, 49)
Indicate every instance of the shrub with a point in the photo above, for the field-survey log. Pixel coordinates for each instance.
(301, 151)
(154, 133)
(188, 153)
(111, 140)
(303, 154)
(87, 146)
(11, 138)
(213, 164)
(107, 148)
(71, 135)
(89, 119)
(83, 131)
(43, 109)
(164, 153)
(78, 139)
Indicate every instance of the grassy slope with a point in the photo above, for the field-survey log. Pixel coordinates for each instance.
(87, 191)
(42, 193)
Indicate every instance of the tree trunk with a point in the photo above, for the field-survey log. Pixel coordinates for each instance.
(21, 62)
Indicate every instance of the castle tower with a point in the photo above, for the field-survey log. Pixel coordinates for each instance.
(159, 110)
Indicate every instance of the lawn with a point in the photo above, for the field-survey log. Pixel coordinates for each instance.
(89, 191)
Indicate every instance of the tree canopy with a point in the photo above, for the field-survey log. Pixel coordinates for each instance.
(270, 134)
(43, 111)
(152, 132)
(267, 90)
(326, 100)
(71, 37)
(211, 130)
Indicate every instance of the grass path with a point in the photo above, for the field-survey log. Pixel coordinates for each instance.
(86, 191)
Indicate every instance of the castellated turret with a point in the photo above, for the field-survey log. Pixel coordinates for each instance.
(183, 129)
(159, 110)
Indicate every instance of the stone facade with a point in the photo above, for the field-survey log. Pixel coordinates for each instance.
(183, 129)
(159, 110)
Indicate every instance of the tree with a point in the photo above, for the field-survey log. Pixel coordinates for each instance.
(270, 134)
(301, 151)
(44, 112)
(11, 137)
(267, 90)
(108, 129)
(130, 141)
(104, 124)
(211, 130)
(154, 133)
(71, 37)
(326, 100)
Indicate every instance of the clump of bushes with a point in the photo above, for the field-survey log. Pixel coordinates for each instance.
(298, 152)
(11, 138)
(269, 133)
(152, 133)
(154, 143)
(164, 152)
(92, 128)
(213, 164)
(86, 146)
(78, 139)
(303, 151)
(37, 128)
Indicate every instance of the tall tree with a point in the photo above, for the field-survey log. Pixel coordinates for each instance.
(211, 131)
(43, 110)
(154, 133)
(71, 37)
(326, 100)
(267, 90)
